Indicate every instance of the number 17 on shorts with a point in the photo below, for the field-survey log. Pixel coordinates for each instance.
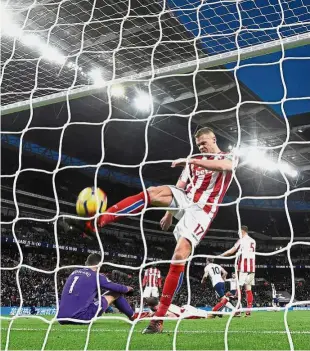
(193, 225)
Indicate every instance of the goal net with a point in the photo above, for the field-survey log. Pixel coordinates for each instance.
(145, 61)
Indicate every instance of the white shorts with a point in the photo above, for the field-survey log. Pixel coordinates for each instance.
(246, 278)
(150, 292)
(194, 222)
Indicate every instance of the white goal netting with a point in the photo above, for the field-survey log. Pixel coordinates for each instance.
(148, 55)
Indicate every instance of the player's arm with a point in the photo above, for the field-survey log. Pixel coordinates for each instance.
(204, 277)
(211, 165)
(229, 252)
(105, 283)
(232, 250)
(166, 221)
(181, 185)
(223, 273)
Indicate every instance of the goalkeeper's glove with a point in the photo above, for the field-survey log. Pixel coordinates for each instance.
(130, 291)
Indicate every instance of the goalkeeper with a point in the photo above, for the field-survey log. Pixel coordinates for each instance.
(78, 298)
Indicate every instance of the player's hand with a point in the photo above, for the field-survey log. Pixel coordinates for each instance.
(181, 162)
(166, 222)
(130, 291)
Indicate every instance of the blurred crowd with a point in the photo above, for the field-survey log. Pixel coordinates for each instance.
(118, 241)
(38, 288)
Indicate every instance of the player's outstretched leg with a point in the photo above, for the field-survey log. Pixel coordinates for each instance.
(122, 304)
(224, 300)
(172, 285)
(155, 196)
(231, 297)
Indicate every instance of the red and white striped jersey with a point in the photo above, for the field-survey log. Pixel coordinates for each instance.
(207, 188)
(152, 278)
(246, 261)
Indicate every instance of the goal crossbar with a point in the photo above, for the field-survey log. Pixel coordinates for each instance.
(180, 68)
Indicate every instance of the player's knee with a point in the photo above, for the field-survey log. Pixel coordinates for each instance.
(157, 194)
(151, 189)
(179, 256)
(153, 192)
(181, 253)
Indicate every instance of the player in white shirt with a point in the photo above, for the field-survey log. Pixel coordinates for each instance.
(246, 247)
(217, 275)
(233, 284)
(233, 290)
(275, 300)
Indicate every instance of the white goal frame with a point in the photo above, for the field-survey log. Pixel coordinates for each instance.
(182, 68)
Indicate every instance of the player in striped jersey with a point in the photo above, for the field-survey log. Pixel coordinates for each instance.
(151, 282)
(246, 246)
(193, 202)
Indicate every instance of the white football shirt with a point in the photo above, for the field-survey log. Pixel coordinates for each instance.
(232, 283)
(215, 273)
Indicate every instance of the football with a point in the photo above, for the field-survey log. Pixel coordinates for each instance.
(90, 201)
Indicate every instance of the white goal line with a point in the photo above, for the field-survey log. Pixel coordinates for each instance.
(78, 330)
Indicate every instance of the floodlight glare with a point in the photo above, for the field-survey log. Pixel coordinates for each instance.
(53, 55)
(8, 27)
(31, 40)
(143, 102)
(256, 158)
(117, 91)
(287, 169)
(294, 173)
(96, 76)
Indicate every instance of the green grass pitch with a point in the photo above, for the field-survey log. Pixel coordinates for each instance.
(262, 331)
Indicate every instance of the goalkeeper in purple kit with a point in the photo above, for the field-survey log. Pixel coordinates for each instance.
(80, 300)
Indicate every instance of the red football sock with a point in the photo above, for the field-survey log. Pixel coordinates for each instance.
(132, 204)
(249, 298)
(221, 304)
(172, 284)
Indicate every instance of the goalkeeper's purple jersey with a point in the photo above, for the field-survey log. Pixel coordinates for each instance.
(80, 290)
